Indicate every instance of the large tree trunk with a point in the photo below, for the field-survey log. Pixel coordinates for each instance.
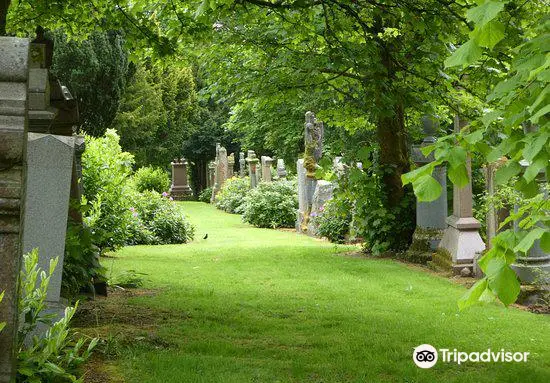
(394, 156)
(4, 5)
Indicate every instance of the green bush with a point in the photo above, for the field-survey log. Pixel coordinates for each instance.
(271, 204)
(335, 219)
(106, 172)
(119, 214)
(205, 195)
(56, 356)
(160, 220)
(81, 267)
(149, 178)
(232, 194)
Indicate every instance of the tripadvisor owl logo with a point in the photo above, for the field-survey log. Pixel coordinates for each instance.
(425, 356)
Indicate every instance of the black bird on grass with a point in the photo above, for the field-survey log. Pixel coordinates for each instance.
(206, 236)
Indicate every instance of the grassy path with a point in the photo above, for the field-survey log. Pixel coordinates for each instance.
(258, 305)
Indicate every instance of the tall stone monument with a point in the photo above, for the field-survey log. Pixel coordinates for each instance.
(461, 240)
(307, 182)
(252, 168)
(180, 189)
(222, 169)
(49, 172)
(230, 165)
(14, 73)
(266, 168)
(281, 169)
(242, 165)
(211, 174)
(430, 216)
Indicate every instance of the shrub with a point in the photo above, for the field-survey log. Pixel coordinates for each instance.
(56, 356)
(334, 221)
(149, 178)
(161, 220)
(106, 171)
(81, 267)
(271, 204)
(205, 195)
(232, 194)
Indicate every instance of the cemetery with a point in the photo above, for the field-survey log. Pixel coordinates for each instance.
(274, 191)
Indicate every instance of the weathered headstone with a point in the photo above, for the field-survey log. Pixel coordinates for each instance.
(242, 165)
(211, 174)
(230, 165)
(430, 216)
(252, 168)
(180, 189)
(49, 173)
(14, 72)
(266, 168)
(77, 190)
(313, 151)
(221, 172)
(324, 191)
(461, 240)
(302, 198)
(338, 166)
(281, 169)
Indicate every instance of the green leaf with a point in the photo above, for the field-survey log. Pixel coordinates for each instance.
(459, 175)
(485, 12)
(488, 35)
(535, 118)
(534, 145)
(490, 117)
(502, 280)
(534, 168)
(467, 54)
(527, 242)
(504, 173)
(473, 295)
(474, 137)
(426, 188)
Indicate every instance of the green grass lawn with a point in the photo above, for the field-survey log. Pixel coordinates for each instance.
(259, 305)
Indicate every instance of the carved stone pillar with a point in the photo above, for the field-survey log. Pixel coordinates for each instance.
(14, 72)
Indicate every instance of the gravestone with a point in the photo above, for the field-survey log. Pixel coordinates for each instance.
(461, 240)
(211, 174)
(324, 192)
(252, 168)
(49, 173)
(266, 168)
(430, 216)
(314, 132)
(338, 166)
(14, 72)
(242, 165)
(222, 167)
(77, 190)
(180, 189)
(281, 169)
(302, 198)
(230, 165)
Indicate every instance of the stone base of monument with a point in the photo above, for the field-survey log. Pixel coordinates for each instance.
(181, 193)
(324, 190)
(532, 271)
(534, 295)
(462, 241)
